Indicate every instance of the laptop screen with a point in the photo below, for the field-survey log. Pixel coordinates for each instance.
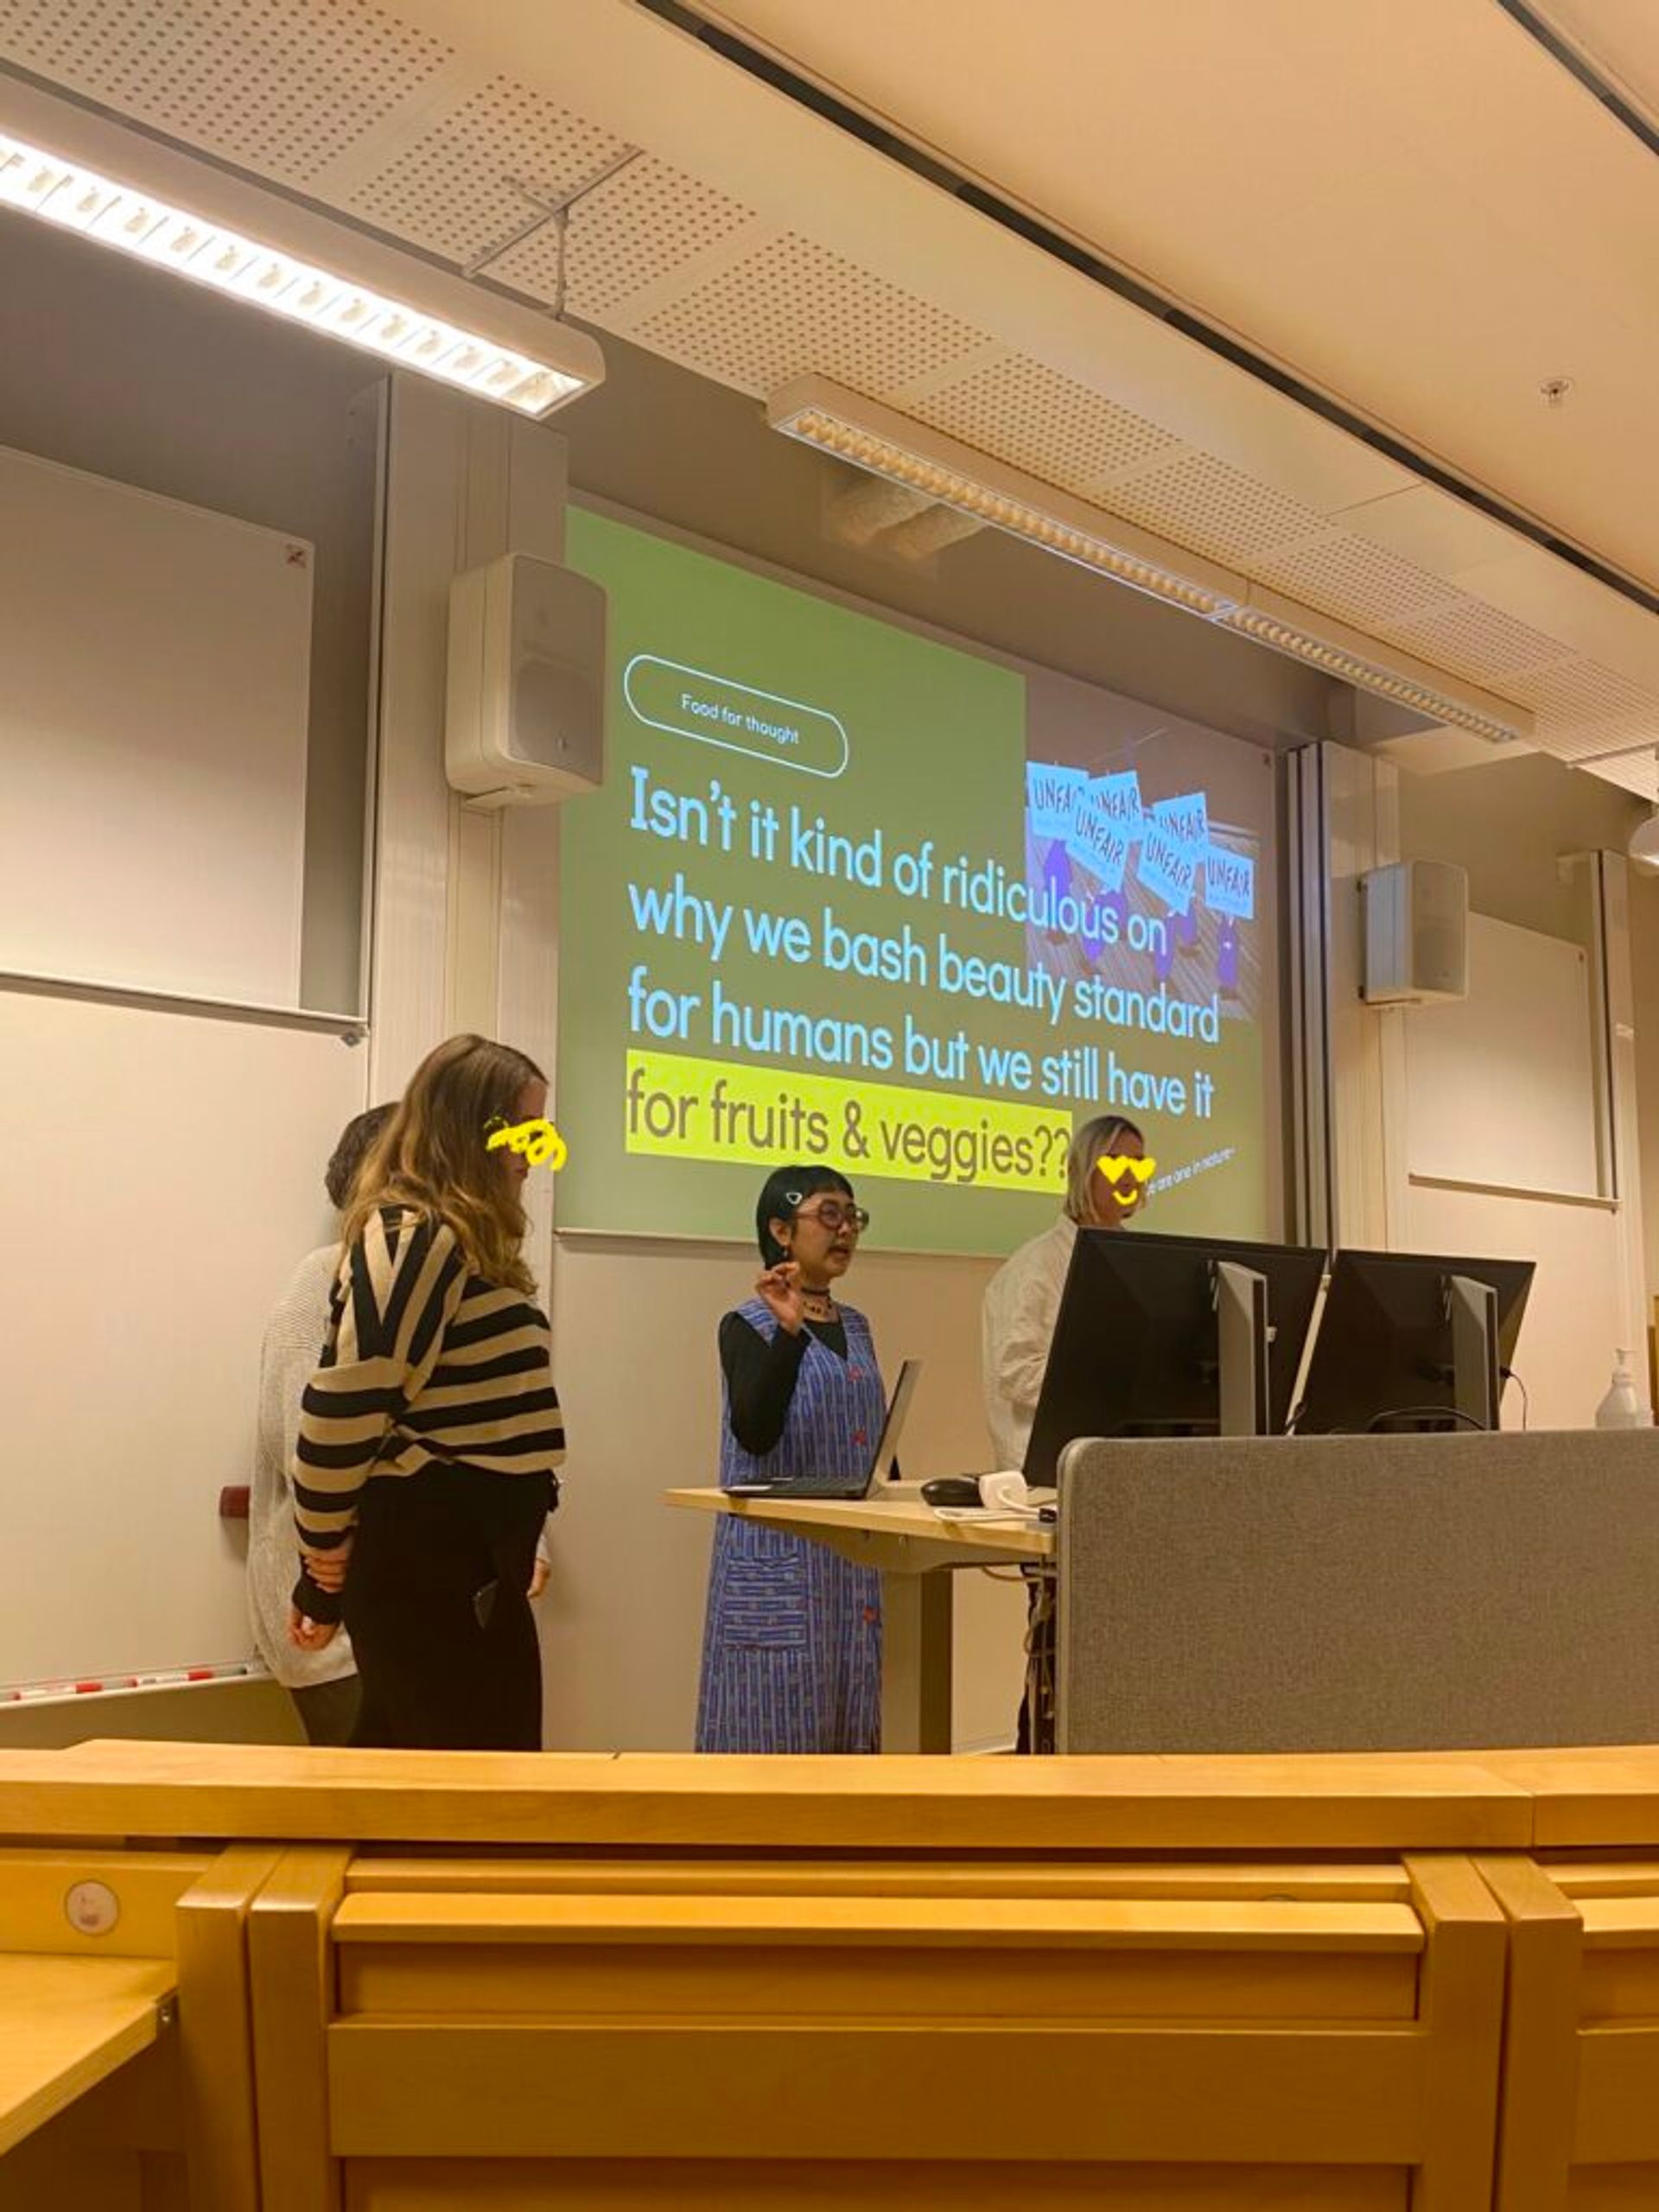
(886, 1449)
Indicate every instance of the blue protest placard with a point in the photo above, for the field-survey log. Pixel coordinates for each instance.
(1098, 841)
(1119, 797)
(1167, 866)
(1186, 817)
(1229, 883)
(1051, 795)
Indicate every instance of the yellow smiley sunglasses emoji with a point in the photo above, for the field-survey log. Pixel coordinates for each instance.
(1115, 1166)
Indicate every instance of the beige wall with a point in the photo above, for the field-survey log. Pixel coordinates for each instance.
(1509, 825)
(207, 1713)
(1644, 962)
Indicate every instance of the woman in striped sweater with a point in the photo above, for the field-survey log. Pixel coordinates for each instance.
(429, 1433)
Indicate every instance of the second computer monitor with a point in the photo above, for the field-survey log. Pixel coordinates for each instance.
(1138, 1346)
(1408, 1340)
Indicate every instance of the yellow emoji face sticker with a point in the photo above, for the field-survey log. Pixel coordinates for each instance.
(537, 1140)
(1119, 1166)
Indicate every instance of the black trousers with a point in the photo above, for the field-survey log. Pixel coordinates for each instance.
(327, 1710)
(437, 1601)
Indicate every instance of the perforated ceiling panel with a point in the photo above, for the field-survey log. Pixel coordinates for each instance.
(632, 231)
(1203, 503)
(1340, 575)
(1583, 708)
(472, 177)
(1638, 774)
(793, 308)
(283, 86)
(1479, 641)
(1047, 425)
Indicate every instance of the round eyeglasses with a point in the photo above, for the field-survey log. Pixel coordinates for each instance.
(832, 1215)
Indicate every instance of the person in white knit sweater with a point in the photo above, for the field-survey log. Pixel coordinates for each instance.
(322, 1684)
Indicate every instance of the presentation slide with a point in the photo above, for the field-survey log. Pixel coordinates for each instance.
(852, 895)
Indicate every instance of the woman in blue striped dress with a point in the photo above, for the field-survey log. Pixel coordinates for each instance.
(791, 1648)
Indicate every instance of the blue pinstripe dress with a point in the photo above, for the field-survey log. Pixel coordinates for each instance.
(792, 1646)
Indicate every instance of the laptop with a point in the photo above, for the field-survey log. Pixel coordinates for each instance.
(848, 1486)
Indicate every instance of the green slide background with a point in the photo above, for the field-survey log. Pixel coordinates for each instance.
(937, 747)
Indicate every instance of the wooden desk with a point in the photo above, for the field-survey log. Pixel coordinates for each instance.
(66, 2025)
(915, 1553)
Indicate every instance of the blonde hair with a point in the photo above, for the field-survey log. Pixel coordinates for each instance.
(432, 1157)
(1104, 1133)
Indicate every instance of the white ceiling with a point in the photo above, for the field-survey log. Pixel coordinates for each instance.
(1405, 202)
(1408, 201)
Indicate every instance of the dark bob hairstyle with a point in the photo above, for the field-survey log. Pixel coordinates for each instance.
(781, 1193)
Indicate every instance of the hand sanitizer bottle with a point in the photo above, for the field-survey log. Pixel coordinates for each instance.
(1621, 1407)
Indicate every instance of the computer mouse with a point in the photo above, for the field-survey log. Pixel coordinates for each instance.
(952, 1489)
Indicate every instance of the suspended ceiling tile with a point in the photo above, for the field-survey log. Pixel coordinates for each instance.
(1638, 773)
(792, 308)
(1201, 502)
(1583, 708)
(1362, 583)
(1048, 424)
(285, 87)
(476, 173)
(1478, 641)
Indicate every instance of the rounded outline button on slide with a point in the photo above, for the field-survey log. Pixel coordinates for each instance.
(726, 685)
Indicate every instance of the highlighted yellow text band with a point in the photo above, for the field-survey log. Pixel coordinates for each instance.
(684, 1109)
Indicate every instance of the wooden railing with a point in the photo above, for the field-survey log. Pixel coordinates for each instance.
(1336, 1984)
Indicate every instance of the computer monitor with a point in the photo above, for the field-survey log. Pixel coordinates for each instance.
(1172, 1336)
(1409, 1340)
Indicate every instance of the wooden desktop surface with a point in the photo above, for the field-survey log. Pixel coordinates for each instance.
(1333, 1801)
(904, 1523)
(66, 2025)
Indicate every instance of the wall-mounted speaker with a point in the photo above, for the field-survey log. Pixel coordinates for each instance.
(524, 720)
(1416, 933)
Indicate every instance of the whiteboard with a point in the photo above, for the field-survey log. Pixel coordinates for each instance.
(160, 1177)
(1502, 1085)
(153, 722)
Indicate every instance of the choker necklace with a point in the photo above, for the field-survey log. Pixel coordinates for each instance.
(818, 1306)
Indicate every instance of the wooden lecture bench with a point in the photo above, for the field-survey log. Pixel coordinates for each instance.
(346, 1982)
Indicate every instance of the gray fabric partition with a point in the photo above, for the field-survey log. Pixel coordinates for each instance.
(1360, 1592)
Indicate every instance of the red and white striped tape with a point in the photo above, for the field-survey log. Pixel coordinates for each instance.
(112, 1685)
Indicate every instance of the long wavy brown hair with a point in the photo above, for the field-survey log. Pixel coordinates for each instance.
(432, 1156)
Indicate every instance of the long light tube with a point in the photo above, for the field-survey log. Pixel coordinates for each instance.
(1359, 660)
(887, 444)
(876, 438)
(84, 174)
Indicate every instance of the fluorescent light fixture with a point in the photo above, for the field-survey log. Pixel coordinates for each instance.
(1350, 655)
(874, 438)
(85, 174)
(890, 445)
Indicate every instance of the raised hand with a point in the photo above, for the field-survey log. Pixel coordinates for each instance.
(779, 1290)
